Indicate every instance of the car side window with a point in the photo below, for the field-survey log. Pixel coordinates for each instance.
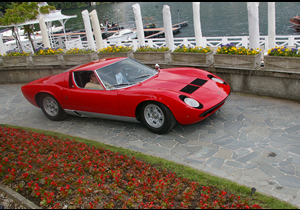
(87, 80)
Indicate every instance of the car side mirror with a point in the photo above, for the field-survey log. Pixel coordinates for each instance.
(157, 67)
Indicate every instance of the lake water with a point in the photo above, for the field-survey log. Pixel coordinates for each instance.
(217, 18)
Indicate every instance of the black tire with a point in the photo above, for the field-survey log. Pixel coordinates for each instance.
(51, 108)
(157, 118)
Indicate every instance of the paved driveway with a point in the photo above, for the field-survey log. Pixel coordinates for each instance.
(252, 140)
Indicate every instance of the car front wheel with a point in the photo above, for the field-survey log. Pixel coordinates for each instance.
(51, 108)
(157, 117)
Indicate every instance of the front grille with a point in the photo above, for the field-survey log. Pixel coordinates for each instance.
(212, 109)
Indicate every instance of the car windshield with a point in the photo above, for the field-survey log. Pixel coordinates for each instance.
(124, 73)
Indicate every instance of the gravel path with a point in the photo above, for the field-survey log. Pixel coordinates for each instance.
(7, 203)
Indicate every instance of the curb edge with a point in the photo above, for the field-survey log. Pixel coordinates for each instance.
(18, 198)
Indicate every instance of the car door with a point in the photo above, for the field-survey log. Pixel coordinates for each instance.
(89, 101)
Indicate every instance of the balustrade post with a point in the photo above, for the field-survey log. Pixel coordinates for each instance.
(105, 45)
(2, 48)
(150, 43)
(245, 41)
(185, 42)
(224, 41)
(135, 44)
(291, 41)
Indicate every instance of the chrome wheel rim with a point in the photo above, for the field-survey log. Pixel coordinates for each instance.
(50, 105)
(154, 116)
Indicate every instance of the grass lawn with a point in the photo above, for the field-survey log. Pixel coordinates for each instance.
(54, 170)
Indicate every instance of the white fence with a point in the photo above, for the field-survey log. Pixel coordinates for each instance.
(213, 42)
(75, 41)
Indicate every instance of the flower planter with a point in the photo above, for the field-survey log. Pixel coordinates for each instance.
(153, 57)
(77, 59)
(192, 59)
(282, 63)
(16, 61)
(46, 60)
(237, 61)
(116, 54)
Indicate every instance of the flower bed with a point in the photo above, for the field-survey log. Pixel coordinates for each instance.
(151, 55)
(48, 51)
(15, 58)
(54, 173)
(115, 51)
(14, 53)
(196, 56)
(284, 51)
(229, 56)
(77, 56)
(283, 59)
(48, 57)
(231, 49)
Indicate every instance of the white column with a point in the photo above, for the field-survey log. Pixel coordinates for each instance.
(44, 33)
(253, 21)
(271, 25)
(197, 24)
(139, 24)
(168, 27)
(2, 48)
(96, 29)
(88, 30)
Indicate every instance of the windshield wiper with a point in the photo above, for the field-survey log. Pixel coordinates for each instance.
(122, 84)
(144, 75)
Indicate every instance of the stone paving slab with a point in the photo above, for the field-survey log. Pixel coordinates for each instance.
(252, 140)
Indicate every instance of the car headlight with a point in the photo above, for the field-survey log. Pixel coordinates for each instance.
(217, 80)
(191, 102)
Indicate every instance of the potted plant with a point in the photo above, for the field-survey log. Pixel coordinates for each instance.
(115, 51)
(76, 56)
(15, 58)
(48, 56)
(282, 58)
(152, 55)
(229, 56)
(192, 56)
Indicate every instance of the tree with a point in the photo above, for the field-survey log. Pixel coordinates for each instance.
(22, 12)
(4, 6)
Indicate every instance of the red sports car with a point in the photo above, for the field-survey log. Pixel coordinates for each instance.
(124, 89)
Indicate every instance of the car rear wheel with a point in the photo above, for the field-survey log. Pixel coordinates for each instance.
(157, 117)
(51, 108)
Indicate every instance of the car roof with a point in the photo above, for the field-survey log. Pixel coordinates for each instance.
(94, 65)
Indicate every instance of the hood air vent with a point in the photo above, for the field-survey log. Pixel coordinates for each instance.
(199, 82)
(191, 88)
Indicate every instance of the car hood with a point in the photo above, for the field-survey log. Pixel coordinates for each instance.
(190, 82)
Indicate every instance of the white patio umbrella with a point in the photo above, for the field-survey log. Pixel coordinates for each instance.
(168, 27)
(253, 21)
(88, 29)
(271, 25)
(44, 33)
(197, 24)
(139, 24)
(96, 29)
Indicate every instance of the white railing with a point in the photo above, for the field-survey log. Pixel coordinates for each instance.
(213, 42)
